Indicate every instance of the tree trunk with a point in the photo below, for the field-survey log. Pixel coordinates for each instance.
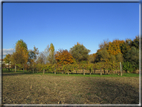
(15, 67)
(55, 72)
(90, 73)
(68, 73)
(104, 71)
(121, 68)
(8, 66)
(83, 72)
(23, 67)
(43, 71)
(100, 71)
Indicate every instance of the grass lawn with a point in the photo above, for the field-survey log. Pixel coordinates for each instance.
(71, 74)
(20, 88)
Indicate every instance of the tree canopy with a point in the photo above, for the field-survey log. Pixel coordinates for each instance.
(79, 52)
(63, 57)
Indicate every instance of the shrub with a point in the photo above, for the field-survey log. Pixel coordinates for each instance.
(127, 66)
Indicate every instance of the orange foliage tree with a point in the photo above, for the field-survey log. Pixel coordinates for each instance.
(114, 47)
(63, 57)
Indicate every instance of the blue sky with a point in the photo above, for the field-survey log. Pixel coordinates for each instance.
(65, 24)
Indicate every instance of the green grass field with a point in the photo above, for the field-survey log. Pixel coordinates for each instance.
(71, 74)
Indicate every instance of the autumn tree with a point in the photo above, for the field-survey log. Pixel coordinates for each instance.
(21, 49)
(114, 47)
(63, 57)
(20, 56)
(7, 59)
(79, 52)
(15, 59)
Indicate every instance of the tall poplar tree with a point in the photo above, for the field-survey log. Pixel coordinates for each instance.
(51, 56)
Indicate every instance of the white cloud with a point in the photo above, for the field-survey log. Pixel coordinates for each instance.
(7, 51)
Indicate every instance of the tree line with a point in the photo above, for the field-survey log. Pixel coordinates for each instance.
(107, 57)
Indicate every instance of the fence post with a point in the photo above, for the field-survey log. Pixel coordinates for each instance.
(121, 68)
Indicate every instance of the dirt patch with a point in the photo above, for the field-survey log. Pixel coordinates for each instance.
(44, 89)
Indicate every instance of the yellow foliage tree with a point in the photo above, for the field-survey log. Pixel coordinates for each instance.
(114, 47)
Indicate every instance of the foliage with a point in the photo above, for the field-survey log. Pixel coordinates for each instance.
(7, 58)
(135, 42)
(63, 57)
(103, 55)
(127, 66)
(33, 54)
(51, 56)
(79, 52)
(114, 47)
(112, 58)
(132, 56)
(90, 67)
(104, 45)
(124, 49)
(41, 58)
(91, 58)
(49, 68)
(119, 57)
(20, 43)
(21, 54)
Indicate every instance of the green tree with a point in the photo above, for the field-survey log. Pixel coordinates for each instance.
(104, 55)
(76, 67)
(90, 67)
(135, 42)
(54, 68)
(127, 66)
(125, 47)
(79, 52)
(132, 56)
(83, 67)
